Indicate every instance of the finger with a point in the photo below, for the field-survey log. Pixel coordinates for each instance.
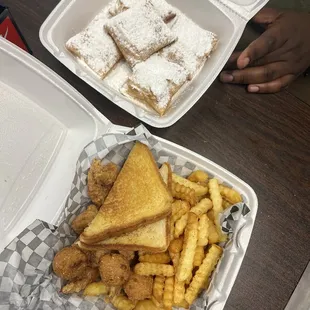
(255, 75)
(232, 61)
(268, 42)
(273, 86)
(266, 16)
(281, 54)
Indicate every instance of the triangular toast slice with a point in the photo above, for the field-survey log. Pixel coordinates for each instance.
(138, 197)
(153, 238)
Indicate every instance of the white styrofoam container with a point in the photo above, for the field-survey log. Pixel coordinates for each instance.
(226, 18)
(44, 125)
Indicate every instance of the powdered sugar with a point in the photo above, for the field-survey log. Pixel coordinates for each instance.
(164, 9)
(179, 53)
(158, 76)
(119, 75)
(200, 41)
(139, 32)
(95, 46)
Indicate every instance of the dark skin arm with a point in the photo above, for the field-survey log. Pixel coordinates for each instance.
(277, 57)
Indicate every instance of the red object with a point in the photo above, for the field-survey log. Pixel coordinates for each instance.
(10, 31)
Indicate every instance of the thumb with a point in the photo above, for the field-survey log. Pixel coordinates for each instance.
(266, 16)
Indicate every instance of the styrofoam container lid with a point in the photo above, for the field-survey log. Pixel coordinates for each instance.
(44, 125)
(226, 18)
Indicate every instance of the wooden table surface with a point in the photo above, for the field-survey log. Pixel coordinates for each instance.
(263, 139)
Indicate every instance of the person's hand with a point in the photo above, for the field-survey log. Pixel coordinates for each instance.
(277, 57)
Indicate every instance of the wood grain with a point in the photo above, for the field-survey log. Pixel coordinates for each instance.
(264, 139)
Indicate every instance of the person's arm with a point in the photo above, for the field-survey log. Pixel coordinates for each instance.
(277, 57)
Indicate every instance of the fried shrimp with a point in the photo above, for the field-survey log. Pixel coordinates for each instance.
(100, 181)
(70, 263)
(114, 269)
(139, 287)
(84, 219)
(89, 275)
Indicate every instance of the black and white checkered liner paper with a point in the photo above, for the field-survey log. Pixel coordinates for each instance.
(27, 280)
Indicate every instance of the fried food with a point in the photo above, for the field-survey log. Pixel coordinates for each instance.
(90, 275)
(215, 196)
(146, 305)
(200, 190)
(179, 208)
(213, 235)
(84, 219)
(152, 269)
(199, 256)
(180, 225)
(70, 263)
(175, 257)
(139, 287)
(121, 302)
(96, 289)
(189, 278)
(129, 255)
(211, 215)
(178, 292)
(158, 258)
(203, 206)
(184, 304)
(168, 293)
(114, 291)
(199, 176)
(230, 194)
(180, 191)
(176, 245)
(158, 288)
(217, 201)
(225, 204)
(96, 256)
(203, 230)
(185, 266)
(100, 181)
(114, 269)
(203, 273)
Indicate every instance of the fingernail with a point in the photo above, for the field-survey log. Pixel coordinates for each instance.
(226, 77)
(245, 62)
(253, 89)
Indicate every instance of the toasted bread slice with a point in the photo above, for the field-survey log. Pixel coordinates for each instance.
(138, 197)
(166, 174)
(152, 238)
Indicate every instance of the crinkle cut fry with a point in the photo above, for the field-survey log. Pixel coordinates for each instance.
(203, 230)
(179, 292)
(158, 258)
(231, 195)
(168, 293)
(203, 206)
(180, 225)
(152, 269)
(180, 191)
(158, 288)
(199, 255)
(200, 190)
(190, 241)
(203, 273)
(179, 208)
